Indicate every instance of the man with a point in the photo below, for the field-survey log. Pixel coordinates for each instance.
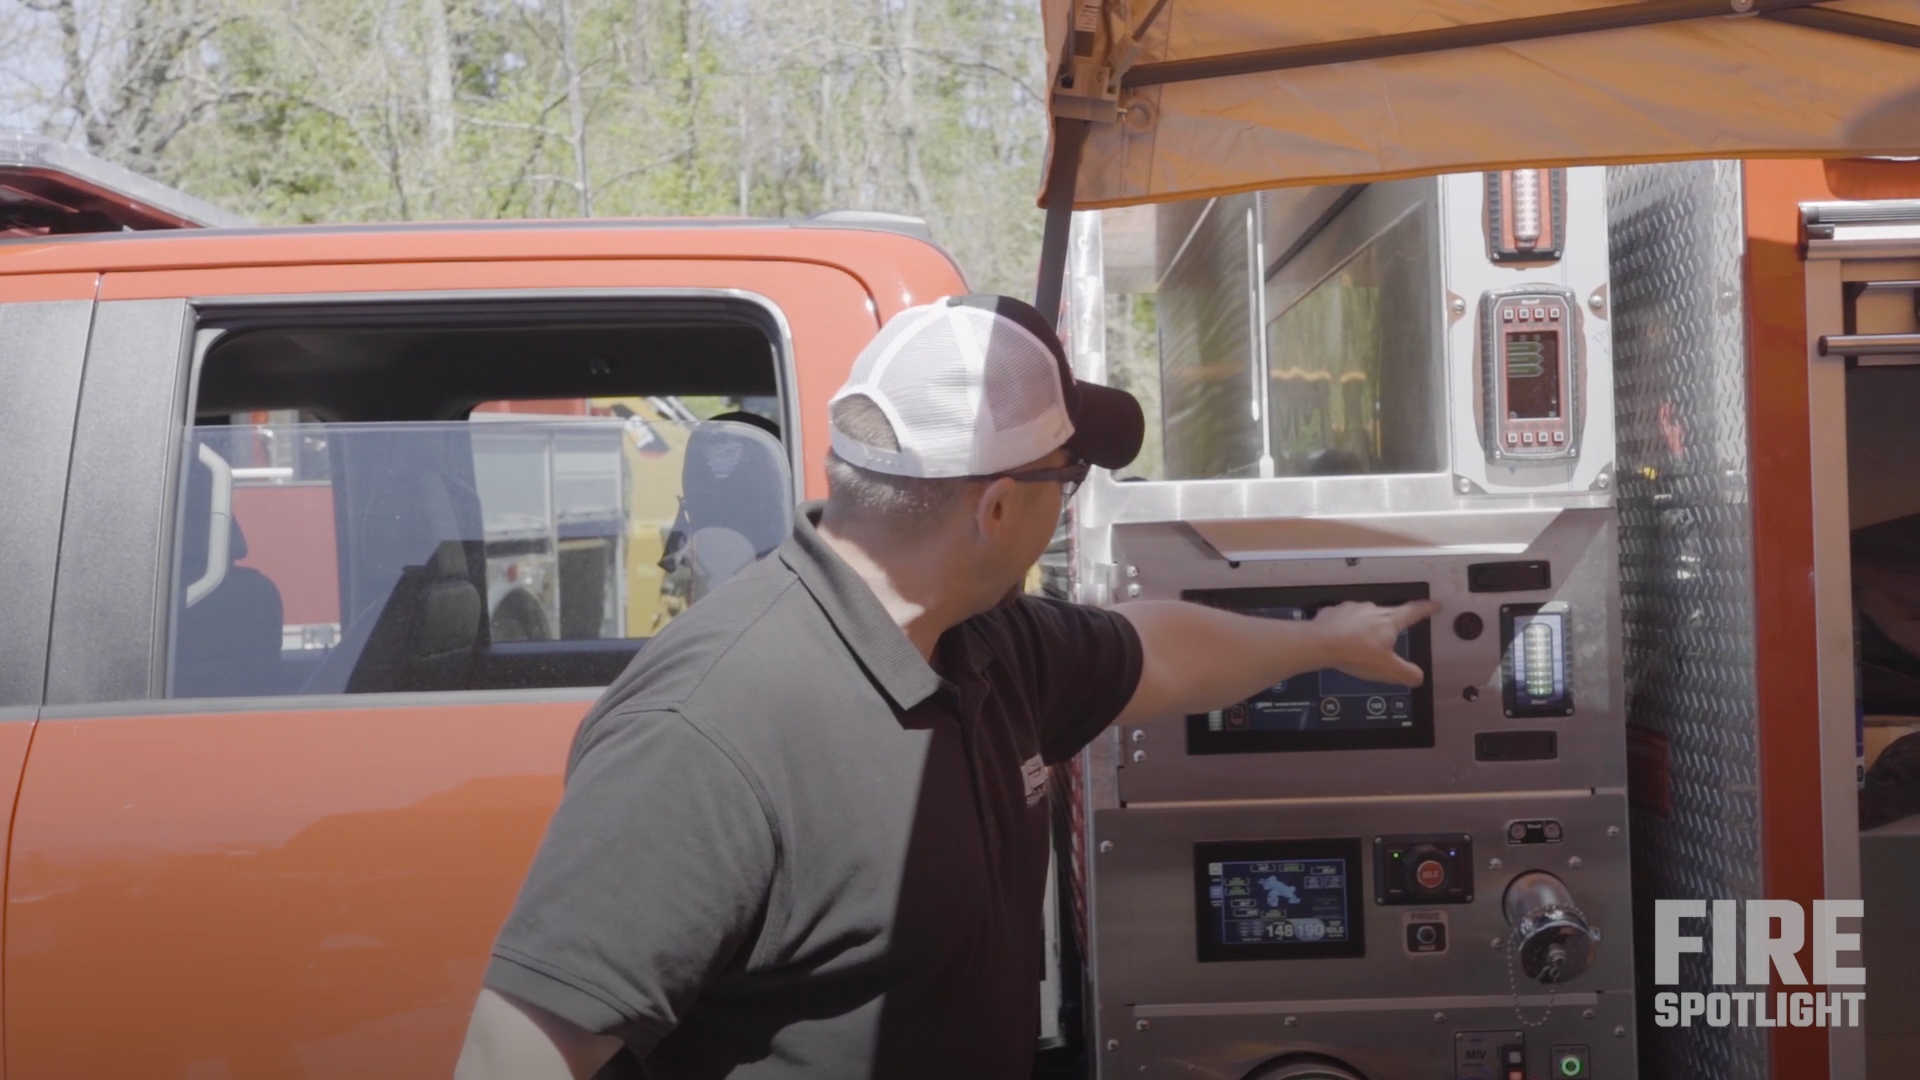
(805, 834)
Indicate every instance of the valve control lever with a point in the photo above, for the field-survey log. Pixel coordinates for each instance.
(1552, 938)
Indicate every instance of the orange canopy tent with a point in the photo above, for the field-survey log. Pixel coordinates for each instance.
(1174, 99)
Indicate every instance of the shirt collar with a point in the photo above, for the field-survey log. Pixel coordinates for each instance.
(857, 615)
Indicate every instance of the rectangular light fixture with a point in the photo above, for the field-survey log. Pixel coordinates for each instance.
(1526, 215)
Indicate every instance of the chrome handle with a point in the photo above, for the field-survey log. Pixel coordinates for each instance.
(1869, 344)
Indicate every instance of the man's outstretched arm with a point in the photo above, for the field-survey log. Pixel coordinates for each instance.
(1195, 658)
(508, 1039)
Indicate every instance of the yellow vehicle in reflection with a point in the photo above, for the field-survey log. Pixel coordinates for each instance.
(588, 535)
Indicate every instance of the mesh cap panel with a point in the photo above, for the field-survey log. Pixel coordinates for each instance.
(968, 392)
(932, 397)
(1024, 379)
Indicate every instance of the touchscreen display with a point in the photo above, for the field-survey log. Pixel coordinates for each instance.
(1276, 899)
(1533, 375)
(1319, 700)
(1326, 709)
(1296, 900)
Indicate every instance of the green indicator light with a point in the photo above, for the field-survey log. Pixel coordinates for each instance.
(1570, 1066)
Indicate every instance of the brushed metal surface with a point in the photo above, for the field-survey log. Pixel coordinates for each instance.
(1298, 1006)
(1582, 270)
(1580, 545)
(1145, 931)
(1160, 1010)
(1686, 573)
(1210, 361)
(1484, 531)
(1413, 1042)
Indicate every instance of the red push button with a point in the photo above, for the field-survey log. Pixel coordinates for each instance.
(1430, 874)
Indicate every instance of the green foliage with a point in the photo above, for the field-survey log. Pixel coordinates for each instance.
(358, 110)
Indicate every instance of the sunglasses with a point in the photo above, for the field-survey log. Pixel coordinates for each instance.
(1069, 477)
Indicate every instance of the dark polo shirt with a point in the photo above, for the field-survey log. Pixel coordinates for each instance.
(790, 848)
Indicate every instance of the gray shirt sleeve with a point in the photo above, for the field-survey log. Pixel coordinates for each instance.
(654, 878)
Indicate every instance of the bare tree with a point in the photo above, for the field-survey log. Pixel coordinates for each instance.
(576, 105)
(131, 77)
(305, 110)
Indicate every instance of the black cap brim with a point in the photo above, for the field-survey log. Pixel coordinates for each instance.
(1108, 426)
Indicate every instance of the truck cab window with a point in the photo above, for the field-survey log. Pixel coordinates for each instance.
(429, 507)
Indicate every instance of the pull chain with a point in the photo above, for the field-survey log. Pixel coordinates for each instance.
(1514, 989)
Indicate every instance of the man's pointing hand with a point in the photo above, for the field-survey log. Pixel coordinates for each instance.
(1360, 637)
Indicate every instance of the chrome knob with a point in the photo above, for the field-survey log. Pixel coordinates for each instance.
(1554, 942)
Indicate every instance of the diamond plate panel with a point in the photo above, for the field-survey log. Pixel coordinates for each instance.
(1686, 571)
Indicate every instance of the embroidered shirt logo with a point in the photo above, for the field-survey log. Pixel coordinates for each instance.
(1035, 773)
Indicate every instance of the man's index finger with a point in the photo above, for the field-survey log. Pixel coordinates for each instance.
(1412, 612)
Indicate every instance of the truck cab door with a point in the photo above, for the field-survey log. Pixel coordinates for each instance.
(303, 879)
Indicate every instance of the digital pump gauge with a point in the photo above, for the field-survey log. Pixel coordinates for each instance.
(1537, 668)
(1530, 374)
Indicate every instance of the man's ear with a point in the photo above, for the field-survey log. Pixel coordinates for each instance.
(993, 508)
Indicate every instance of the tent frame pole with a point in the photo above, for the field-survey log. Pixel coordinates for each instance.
(1069, 135)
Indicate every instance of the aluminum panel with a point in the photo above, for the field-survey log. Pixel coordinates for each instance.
(1686, 573)
(1582, 270)
(1163, 560)
(43, 347)
(1400, 1039)
(1144, 882)
(109, 601)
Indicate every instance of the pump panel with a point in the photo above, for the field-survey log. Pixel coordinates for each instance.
(1470, 726)
(1339, 878)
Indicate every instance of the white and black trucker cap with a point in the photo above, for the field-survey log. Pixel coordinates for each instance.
(978, 385)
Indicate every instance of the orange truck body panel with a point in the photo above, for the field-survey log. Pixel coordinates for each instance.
(1786, 673)
(310, 890)
(283, 894)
